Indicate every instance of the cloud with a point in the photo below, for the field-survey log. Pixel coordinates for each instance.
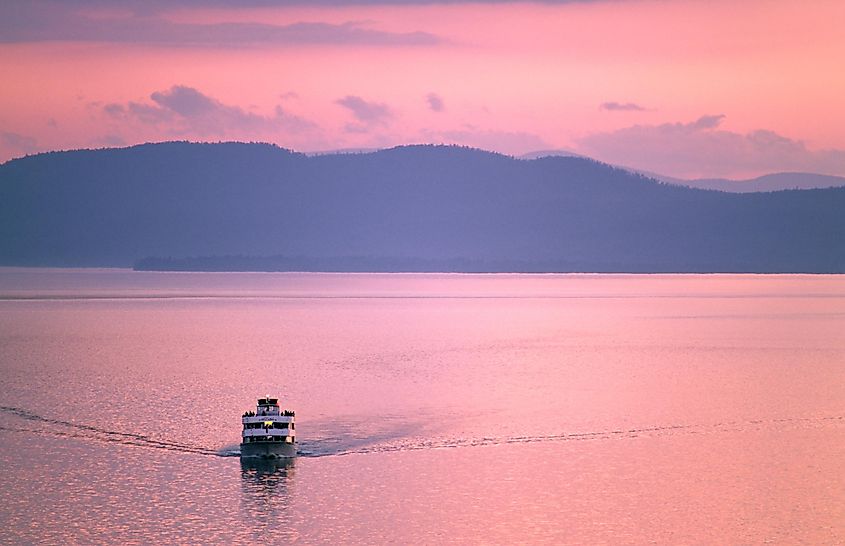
(114, 109)
(190, 103)
(186, 110)
(435, 102)
(44, 21)
(148, 113)
(16, 145)
(705, 122)
(701, 149)
(17, 141)
(147, 7)
(369, 114)
(621, 107)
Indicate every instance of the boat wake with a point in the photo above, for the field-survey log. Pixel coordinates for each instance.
(68, 429)
(233, 450)
(343, 437)
(350, 446)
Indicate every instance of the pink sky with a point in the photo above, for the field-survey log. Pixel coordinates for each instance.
(683, 88)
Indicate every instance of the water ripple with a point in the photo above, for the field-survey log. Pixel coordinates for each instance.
(402, 439)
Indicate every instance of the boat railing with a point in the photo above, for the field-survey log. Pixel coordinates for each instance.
(268, 432)
(260, 418)
(285, 413)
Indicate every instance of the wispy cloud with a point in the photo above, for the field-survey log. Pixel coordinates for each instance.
(186, 110)
(704, 122)
(435, 102)
(368, 114)
(191, 104)
(42, 21)
(15, 144)
(147, 7)
(621, 107)
(701, 149)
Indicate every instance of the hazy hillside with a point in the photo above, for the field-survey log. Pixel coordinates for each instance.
(769, 182)
(418, 207)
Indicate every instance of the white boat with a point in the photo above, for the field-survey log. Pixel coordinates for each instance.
(268, 433)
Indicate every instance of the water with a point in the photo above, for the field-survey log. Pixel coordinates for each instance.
(430, 408)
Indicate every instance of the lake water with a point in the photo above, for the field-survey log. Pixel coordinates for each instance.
(566, 409)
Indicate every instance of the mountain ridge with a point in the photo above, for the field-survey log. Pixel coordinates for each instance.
(415, 204)
(777, 181)
(768, 182)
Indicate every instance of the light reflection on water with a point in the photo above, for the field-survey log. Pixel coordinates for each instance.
(267, 491)
(430, 409)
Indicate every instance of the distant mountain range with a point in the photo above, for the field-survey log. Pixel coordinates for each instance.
(768, 182)
(238, 206)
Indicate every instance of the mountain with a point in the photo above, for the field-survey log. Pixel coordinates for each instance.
(769, 182)
(257, 206)
(344, 151)
(551, 153)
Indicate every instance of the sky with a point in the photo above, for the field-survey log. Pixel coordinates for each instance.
(684, 88)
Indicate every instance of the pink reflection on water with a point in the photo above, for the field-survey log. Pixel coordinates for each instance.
(470, 408)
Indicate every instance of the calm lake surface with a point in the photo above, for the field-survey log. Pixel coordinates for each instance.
(677, 409)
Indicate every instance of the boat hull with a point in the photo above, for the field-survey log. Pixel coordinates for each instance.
(268, 450)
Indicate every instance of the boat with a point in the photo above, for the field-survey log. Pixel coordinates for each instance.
(268, 433)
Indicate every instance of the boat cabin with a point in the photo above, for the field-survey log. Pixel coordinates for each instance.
(268, 423)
